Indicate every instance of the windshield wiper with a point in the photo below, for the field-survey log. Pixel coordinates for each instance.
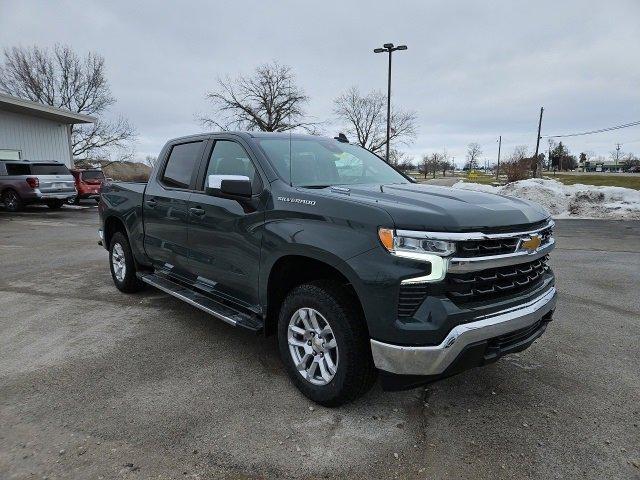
(314, 186)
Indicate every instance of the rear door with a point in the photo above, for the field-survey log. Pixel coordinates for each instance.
(166, 204)
(225, 233)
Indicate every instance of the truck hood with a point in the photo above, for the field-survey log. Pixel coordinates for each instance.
(435, 208)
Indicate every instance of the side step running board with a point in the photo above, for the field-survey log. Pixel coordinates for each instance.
(223, 312)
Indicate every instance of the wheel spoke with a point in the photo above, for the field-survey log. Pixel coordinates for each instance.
(331, 343)
(324, 371)
(330, 365)
(297, 343)
(296, 329)
(311, 371)
(314, 321)
(303, 362)
(304, 316)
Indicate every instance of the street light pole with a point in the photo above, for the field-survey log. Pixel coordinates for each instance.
(390, 48)
(499, 147)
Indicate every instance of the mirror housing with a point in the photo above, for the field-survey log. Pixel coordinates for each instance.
(229, 185)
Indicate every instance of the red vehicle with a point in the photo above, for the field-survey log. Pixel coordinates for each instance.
(88, 183)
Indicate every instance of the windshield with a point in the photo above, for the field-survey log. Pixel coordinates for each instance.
(49, 169)
(320, 162)
(92, 175)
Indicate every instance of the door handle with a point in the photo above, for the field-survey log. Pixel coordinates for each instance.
(151, 203)
(197, 211)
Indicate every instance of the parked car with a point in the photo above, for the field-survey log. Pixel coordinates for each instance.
(24, 182)
(88, 183)
(358, 270)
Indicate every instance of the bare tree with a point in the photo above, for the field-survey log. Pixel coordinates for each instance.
(431, 164)
(366, 120)
(446, 165)
(61, 78)
(518, 165)
(268, 100)
(473, 154)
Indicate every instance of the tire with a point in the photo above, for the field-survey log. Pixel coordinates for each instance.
(354, 370)
(55, 204)
(12, 201)
(122, 265)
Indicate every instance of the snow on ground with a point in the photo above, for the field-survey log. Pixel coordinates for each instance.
(570, 201)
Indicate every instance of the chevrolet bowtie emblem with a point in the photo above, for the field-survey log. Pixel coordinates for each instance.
(530, 243)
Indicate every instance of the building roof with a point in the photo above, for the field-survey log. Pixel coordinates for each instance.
(9, 103)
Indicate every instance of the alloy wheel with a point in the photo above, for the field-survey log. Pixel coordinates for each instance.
(118, 262)
(312, 346)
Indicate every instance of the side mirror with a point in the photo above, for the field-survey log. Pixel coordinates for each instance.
(229, 185)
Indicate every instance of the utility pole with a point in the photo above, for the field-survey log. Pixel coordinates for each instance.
(390, 48)
(499, 147)
(538, 166)
(618, 147)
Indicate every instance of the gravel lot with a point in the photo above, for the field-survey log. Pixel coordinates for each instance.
(98, 384)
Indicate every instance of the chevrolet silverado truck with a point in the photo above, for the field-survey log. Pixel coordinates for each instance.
(359, 271)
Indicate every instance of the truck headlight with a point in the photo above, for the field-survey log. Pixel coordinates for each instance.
(414, 246)
(406, 243)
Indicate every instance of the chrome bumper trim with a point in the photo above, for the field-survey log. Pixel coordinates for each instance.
(434, 360)
(474, 264)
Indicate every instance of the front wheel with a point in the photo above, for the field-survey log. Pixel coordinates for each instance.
(324, 344)
(123, 266)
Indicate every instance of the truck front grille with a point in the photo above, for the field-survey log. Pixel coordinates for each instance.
(410, 298)
(496, 282)
(497, 246)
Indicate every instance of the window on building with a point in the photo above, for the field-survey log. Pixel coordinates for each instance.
(7, 154)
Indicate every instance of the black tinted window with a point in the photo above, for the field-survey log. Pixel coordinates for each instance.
(49, 169)
(92, 175)
(182, 161)
(229, 158)
(17, 169)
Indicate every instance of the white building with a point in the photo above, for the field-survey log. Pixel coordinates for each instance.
(33, 131)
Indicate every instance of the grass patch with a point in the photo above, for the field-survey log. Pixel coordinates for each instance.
(611, 180)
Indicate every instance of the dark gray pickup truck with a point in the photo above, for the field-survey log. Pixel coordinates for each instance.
(359, 271)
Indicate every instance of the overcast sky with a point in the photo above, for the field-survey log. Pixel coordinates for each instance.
(473, 70)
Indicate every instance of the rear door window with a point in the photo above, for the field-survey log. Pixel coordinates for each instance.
(182, 162)
(49, 169)
(17, 169)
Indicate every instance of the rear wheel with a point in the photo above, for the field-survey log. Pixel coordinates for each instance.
(55, 204)
(324, 344)
(12, 201)
(123, 267)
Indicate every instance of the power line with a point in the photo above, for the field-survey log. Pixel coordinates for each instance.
(608, 129)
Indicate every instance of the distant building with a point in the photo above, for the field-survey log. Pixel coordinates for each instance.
(33, 131)
(600, 165)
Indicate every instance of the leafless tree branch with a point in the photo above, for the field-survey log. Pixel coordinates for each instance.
(268, 100)
(62, 79)
(365, 119)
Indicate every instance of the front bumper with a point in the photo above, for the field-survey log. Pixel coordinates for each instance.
(434, 361)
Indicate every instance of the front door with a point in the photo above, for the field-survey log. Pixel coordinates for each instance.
(224, 233)
(166, 205)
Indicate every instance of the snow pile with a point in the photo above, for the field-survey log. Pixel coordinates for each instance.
(570, 201)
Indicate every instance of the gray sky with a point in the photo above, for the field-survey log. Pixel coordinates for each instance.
(473, 70)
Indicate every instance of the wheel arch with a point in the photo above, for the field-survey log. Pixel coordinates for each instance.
(295, 268)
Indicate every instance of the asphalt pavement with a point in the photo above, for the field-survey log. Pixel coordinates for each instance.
(98, 384)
